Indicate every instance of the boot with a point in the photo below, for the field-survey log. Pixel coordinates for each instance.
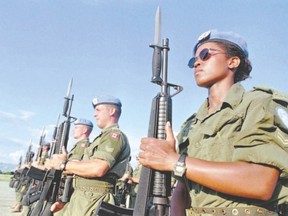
(17, 208)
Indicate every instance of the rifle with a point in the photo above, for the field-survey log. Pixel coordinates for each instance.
(53, 177)
(123, 187)
(22, 180)
(28, 156)
(154, 186)
(39, 152)
(20, 162)
(34, 192)
(54, 137)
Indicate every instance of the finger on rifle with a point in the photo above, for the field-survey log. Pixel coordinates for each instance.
(64, 151)
(169, 132)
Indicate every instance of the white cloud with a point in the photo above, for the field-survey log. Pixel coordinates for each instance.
(12, 158)
(17, 141)
(26, 114)
(8, 117)
(15, 156)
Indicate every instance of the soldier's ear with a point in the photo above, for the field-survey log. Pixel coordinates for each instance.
(233, 62)
(112, 111)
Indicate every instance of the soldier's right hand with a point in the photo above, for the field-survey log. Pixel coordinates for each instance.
(57, 206)
(157, 153)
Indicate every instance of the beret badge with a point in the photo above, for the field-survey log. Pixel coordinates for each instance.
(204, 36)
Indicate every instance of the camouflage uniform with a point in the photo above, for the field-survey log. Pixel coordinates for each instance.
(111, 145)
(247, 126)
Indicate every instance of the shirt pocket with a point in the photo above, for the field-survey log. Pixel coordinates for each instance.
(213, 139)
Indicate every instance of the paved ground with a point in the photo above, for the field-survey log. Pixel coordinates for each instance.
(7, 198)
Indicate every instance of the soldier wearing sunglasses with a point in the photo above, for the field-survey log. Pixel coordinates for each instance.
(232, 157)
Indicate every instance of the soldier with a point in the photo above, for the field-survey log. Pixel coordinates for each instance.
(43, 155)
(123, 187)
(104, 161)
(24, 182)
(33, 184)
(233, 153)
(134, 181)
(81, 132)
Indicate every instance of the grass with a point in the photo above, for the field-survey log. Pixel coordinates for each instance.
(5, 177)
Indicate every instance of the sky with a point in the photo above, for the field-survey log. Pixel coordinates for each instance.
(103, 45)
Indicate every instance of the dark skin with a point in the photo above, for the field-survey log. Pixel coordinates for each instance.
(238, 178)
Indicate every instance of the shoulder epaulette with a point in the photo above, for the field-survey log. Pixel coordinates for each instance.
(191, 117)
(276, 95)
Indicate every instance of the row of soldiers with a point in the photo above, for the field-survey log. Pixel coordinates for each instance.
(21, 180)
(231, 157)
(100, 168)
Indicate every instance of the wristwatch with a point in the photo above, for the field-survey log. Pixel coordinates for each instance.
(180, 166)
(63, 165)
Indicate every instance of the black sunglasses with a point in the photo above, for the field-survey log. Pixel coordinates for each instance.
(204, 55)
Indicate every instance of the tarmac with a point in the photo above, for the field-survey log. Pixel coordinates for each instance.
(7, 199)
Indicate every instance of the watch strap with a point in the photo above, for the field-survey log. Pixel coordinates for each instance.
(63, 165)
(182, 158)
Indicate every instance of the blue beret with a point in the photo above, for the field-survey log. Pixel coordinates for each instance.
(215, 35)
(81, 121)
(106, 99)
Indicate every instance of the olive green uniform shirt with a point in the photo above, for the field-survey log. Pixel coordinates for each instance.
(77, 151)
(43, 158)
(112, 146)
(248, 126)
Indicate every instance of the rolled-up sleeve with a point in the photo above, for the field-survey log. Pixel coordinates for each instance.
(263, 139)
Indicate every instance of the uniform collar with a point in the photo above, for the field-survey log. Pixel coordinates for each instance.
(110, 127)
(234, 96)
(232, 100)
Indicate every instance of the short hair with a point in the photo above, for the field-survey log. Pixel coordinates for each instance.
(118, 109)
(243, 70)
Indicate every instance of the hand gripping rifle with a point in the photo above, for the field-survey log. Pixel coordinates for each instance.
(154, 187)
(53, 177)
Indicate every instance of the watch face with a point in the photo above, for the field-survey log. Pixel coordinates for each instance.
(180, 169)
(62, 165)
